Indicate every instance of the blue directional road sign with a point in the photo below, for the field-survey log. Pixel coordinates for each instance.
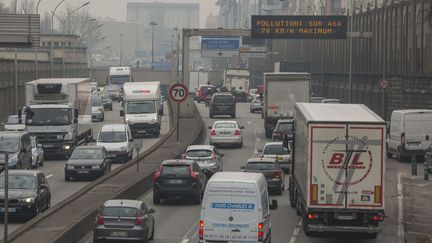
(220, 46)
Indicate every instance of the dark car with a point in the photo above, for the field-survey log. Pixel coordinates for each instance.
(106, 101)
(18, 146)
(115, 92)
(29, 193)
(283, 126)
(240, 96)
(179, 178)
(87, 162)
(124, 220)
(222, 104)
(272, 171)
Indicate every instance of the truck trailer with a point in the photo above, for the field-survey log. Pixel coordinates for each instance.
(281, 92)
(338, 165)
(237, 80)
(58, 113)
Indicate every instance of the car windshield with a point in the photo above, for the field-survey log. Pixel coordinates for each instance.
(105, 96)
(119, 212)
(143, 107)
(225, 125)
(19, 182)
(199, 153)
(96, 102)
(10, 145)
(119, 79)
(223, 99)
(111, 89)
(86, 154)
(48, 116)
(284, 127)
(112, 137)
(180, 170)
(260, 166)
(275, 149)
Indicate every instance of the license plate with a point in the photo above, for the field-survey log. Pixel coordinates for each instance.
(48, 146)
(118, 233)
(142, 131)
(111, 156)
(10, 210)
(175, 181)
(345, 217)
(83, 172)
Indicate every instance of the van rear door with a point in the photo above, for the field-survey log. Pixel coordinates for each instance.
(231, 212)
(418, 130)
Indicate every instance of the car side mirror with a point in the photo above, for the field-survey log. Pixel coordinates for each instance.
(209, 127)
(242, 167)
(221, 155)
(76, 113)
(182, 156)
(242, 127)
(259, 150)
(151, 211)
(39, 145)
(121, 113)
(273, 204)
(43, 186)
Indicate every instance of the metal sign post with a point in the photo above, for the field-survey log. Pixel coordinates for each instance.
(178, 92)
(137, 146)
(6, 199)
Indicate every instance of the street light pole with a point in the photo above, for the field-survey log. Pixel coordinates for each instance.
(153, 24)
(121, 49)
(350, 52)
(6, 198)
(52, 37)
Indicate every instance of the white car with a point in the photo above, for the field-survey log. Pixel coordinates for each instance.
(275, 150)
(97, 109)
(206, 156)
(117, 140)
(37, 152)
(226, 133)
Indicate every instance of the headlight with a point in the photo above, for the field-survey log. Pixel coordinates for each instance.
(123, 149)
(128, 121)
(28, 200)
(66, 147)
(96, 166)
(154, 120)
(69, 167)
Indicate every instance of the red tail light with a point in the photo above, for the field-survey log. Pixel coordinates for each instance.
(378, 217)
(157, 173)
(277, 134)
(138, 220)
(260, 232)
(277, 174)
(403, 138)
(100, 220)
(201, 230)
(312, 216)
(237, 133)
(194, 175)
(213, 132)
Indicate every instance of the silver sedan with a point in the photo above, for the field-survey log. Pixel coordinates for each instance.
(226, 133)
(206, 156)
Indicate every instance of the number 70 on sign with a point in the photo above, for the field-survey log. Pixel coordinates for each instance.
(178, 92)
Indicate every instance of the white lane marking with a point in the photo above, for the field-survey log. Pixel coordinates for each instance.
(191, 232)
(401, 230)
(295, 232)
(48, 176)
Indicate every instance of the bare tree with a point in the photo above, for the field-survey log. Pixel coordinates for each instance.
(28, 6)
(3, 8)
(46, 23)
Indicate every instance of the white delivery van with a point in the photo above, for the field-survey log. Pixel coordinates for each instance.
(410, 133)
(117, 140)
(141, 107)
(236, 208)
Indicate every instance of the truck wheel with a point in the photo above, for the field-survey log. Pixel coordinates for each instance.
(268, 133)
(298, 210)
(389, 155)
(210, 115)
(292, 198)
(371, 235)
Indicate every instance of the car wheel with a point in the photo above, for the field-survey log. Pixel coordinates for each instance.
(153, 231)
(36, 211)
(103, 118)
(48, 203)
(41, 163)
(67, 178)
(156, 199)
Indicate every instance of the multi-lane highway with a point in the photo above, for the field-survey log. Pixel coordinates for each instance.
(54, 169)
(177, 220)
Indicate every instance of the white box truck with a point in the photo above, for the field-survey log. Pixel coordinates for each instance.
(281, 92)
(119, 75)
(337, 176)
(237, 80)
(58, 113)
(142, 107)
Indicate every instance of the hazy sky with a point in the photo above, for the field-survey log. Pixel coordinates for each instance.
(117, 8)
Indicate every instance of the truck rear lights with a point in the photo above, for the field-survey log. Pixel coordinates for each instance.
(260, 232)
(201, 230)
(277, 174)
(403, 139)
(378, 217)
(213, 132)
(194, 175)
(312, 216)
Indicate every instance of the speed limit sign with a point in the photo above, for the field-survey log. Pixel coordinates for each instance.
(178, 92)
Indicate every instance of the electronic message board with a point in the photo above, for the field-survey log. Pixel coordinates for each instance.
(299, 27)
